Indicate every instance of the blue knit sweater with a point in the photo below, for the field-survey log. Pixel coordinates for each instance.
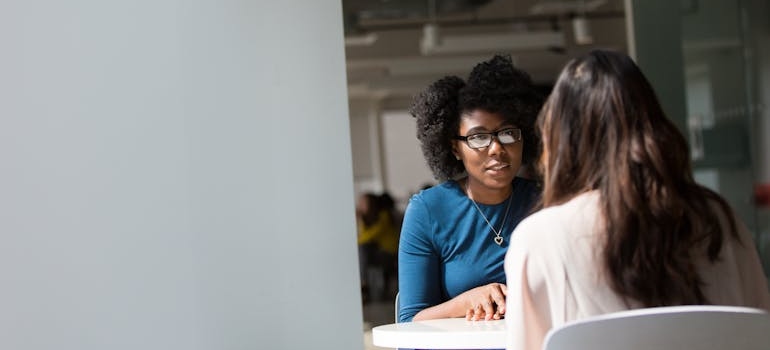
(447, 248)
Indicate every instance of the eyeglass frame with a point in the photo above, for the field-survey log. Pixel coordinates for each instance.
(495, 135)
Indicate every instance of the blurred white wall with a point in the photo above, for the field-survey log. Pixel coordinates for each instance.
(405, 165)
(170, 179)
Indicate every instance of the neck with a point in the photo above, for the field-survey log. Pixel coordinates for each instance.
(485, 195)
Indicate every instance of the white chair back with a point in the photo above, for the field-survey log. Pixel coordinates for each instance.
(676, 327)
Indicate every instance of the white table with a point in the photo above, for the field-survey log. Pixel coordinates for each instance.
(445, 333)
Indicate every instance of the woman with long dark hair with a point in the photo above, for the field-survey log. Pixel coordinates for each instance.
(624, 225)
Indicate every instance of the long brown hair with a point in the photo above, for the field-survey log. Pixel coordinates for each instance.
(604, 129)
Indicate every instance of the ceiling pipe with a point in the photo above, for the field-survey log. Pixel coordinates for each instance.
(419, 23)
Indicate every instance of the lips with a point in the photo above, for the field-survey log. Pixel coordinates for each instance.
(498, 166)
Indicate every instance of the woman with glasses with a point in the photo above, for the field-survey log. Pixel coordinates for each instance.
(624, 223)
(475, 137)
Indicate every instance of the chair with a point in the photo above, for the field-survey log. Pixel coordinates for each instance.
(395, 303)
(676, 327)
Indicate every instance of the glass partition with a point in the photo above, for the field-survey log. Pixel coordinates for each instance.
(722, 108)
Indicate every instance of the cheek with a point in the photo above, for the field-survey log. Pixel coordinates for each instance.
(517, 152)
(472, 161)
(469, 157)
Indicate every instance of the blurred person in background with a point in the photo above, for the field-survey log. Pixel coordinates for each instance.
(377, 243)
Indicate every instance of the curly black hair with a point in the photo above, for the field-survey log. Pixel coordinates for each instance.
(494, 86)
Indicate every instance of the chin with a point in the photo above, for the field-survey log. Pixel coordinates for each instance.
(500, 182)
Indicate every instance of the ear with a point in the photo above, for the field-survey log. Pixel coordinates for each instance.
(455, 151)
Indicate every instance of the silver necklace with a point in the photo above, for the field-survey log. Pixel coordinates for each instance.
(498, 237)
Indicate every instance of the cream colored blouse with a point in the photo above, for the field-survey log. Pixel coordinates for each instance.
(554, 274)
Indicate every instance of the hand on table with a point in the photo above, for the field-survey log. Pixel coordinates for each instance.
(486, 302)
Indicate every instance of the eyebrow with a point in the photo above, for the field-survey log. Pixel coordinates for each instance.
(482, 129)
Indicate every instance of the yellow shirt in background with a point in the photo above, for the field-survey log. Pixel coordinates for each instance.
(382, 232)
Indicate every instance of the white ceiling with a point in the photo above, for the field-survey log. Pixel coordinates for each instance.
(383, 50)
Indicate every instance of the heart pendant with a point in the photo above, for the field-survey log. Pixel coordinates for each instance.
(499, 240)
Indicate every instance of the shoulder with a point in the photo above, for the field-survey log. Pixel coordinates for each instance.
(559, 223)
(438, 195)
(432, 204)
(555, 239)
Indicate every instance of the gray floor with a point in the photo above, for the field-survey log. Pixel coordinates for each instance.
(379, 313)
(375, 314)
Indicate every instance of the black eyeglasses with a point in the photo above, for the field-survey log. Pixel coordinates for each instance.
(484, 139)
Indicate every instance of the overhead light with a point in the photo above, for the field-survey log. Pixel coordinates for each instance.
(434, 43)
(581, 30)
(430, 38)
(361, 40)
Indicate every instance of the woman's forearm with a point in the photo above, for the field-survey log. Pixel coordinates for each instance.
(448, 309)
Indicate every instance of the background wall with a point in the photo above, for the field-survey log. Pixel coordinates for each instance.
(386, 152)
(709, 61)
(759, 13)
(167, 179)
(405, 165)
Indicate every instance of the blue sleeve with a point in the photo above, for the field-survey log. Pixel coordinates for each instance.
(418, 263)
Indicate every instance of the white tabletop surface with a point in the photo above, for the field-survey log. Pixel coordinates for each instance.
(446, 333)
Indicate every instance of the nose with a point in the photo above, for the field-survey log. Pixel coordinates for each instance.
(495, 147)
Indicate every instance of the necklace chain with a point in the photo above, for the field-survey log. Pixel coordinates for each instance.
(498, 237)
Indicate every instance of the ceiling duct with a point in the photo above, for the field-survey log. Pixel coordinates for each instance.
(565, 6)
(432, 42)
(358, 13)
